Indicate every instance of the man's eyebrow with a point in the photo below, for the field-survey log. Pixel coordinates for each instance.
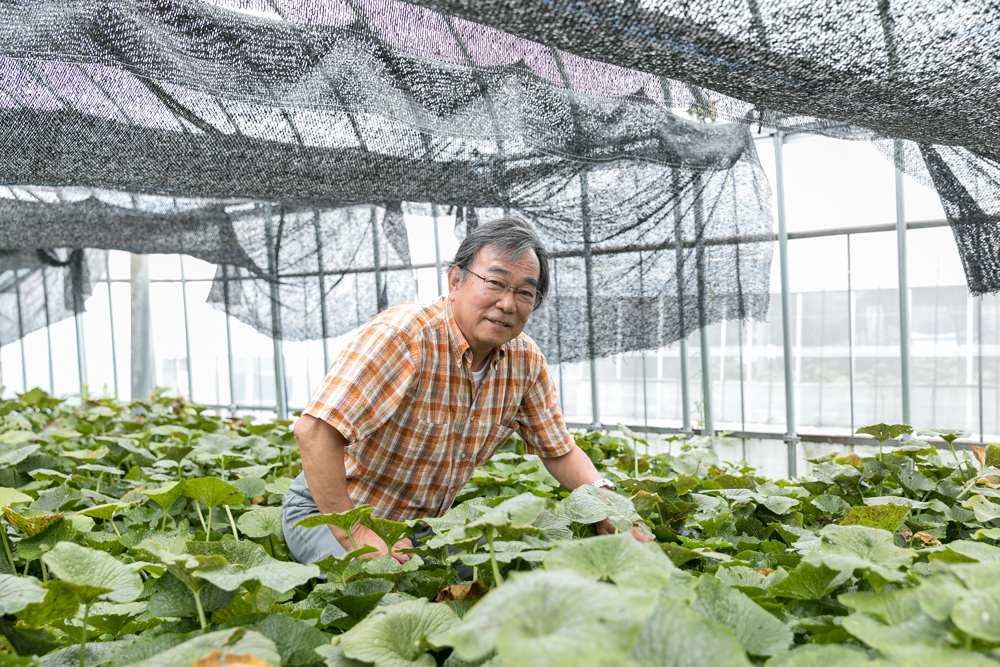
(499, 269)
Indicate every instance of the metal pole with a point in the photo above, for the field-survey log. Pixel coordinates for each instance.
(20, 330)
(229, 341)
(141, 342)
(979, 335)
(272, 271)
(48, 330)
(708, 425)
(111, 320)
(81, 351)
(437, 250)
(588, 267)
(322, 290)
(786, 315)
(850, 332)
(904, 289)
(679, 270)
(187, 334)
(376, 259)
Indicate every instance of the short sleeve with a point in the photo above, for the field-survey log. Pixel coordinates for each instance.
(366, 382)
(541, 421)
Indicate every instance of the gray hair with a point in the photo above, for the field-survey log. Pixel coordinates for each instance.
(514, 238)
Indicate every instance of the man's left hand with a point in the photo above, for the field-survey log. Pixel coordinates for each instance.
(605, 527)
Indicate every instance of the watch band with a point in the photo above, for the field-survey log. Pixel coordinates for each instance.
(605, 483)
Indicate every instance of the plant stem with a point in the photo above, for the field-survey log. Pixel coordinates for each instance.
(197, 508)
(497, 579)
(201, 609)
(114, 525)
(231, 522)
(163, 527)
(208, 530)
(45, 572)
(83, 636)
(6, 546)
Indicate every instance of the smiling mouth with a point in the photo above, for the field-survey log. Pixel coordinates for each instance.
(498, 323)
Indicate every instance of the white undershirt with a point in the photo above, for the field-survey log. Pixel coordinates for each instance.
(477, 376)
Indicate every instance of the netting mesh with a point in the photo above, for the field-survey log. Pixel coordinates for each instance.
(281, 144)
(921, 72)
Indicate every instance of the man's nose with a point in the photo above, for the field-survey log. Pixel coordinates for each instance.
(506, 302)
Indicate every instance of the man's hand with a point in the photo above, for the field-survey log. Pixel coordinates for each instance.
(605, 527)
(364, 536)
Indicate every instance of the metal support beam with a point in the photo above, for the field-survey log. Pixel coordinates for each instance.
(322, 291)
(904, 288)
(708, 424)
(791, 437)
(588, 268)
(437, 250)
(111, 321)
(229, 342)
(272, 272)
(20, 330)
(187, 331)
(48, 331)
(679, 271)
(142, 330)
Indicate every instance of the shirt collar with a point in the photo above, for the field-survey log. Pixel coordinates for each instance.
(460, 346)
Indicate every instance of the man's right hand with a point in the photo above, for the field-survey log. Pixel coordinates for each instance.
(364, 536)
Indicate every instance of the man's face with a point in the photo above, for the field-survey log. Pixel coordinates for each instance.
(485, 319)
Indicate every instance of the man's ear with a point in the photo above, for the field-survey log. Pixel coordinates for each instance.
(454, 278)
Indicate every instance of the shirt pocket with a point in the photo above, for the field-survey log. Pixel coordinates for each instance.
(420, 443)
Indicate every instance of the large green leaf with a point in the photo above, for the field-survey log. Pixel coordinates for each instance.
(32, 548)
(675, 636)
(343, 520)
(60, 602)
(883, 432)
(978, 614)
(166, 494)
(884, 517)
(861, 548)
(234, 643)
(759, 632)
(16, 593)
(212, 492)
(30, 522)
(588, 504)
(813, 655)
(390, 531)
(11, 497)
(890, 607)
(396, 636)
(616, 558)
(294, 639)
(809, 582)
(280, 576)
(974, 551)
(261, 522)
(927, 656)
(983, 508)
(921, 629)
(93, 574)
(541, 618)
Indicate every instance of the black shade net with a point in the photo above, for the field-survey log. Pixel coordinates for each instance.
(925, 73)
(281, 142)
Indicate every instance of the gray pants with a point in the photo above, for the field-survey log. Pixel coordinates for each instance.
(309, 545)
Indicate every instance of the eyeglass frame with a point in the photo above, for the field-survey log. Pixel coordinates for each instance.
(510, 288)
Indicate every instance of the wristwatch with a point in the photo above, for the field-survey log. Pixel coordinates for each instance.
(605, 483)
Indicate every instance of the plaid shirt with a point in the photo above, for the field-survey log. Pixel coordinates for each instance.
(401, 394)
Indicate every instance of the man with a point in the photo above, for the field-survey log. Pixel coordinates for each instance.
(426, 392)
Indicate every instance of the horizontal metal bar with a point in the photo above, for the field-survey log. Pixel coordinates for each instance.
(766, 435)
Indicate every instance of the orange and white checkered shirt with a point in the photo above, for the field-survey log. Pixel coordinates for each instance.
(402, 395)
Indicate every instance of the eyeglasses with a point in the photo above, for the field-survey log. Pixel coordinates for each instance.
(499, 287)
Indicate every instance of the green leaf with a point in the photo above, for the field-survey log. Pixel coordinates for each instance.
(883, 517)
(261, 522)
(165, 494)
(974, 551)
(922, 629)
(60, 602)
(893, 608)
(396, 636)
(235, 642)
(861, 548)
(746, 578)
(931, 656)
(813, 655)
(16, 593)
(250, 487)
(588, 504)
(343, 520)
(32, 548)
(983, 508)
(104, 511)
(830, 504)
(676, 636)
(93, 574)
(294, 639)
(809, 582)
(978, 614)
(616, 558)
(546, 618)
(390, 531)
(883, 432)
(759, 632)
(280, 576)
(11, 497)
(29, 522)
(212, 492)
